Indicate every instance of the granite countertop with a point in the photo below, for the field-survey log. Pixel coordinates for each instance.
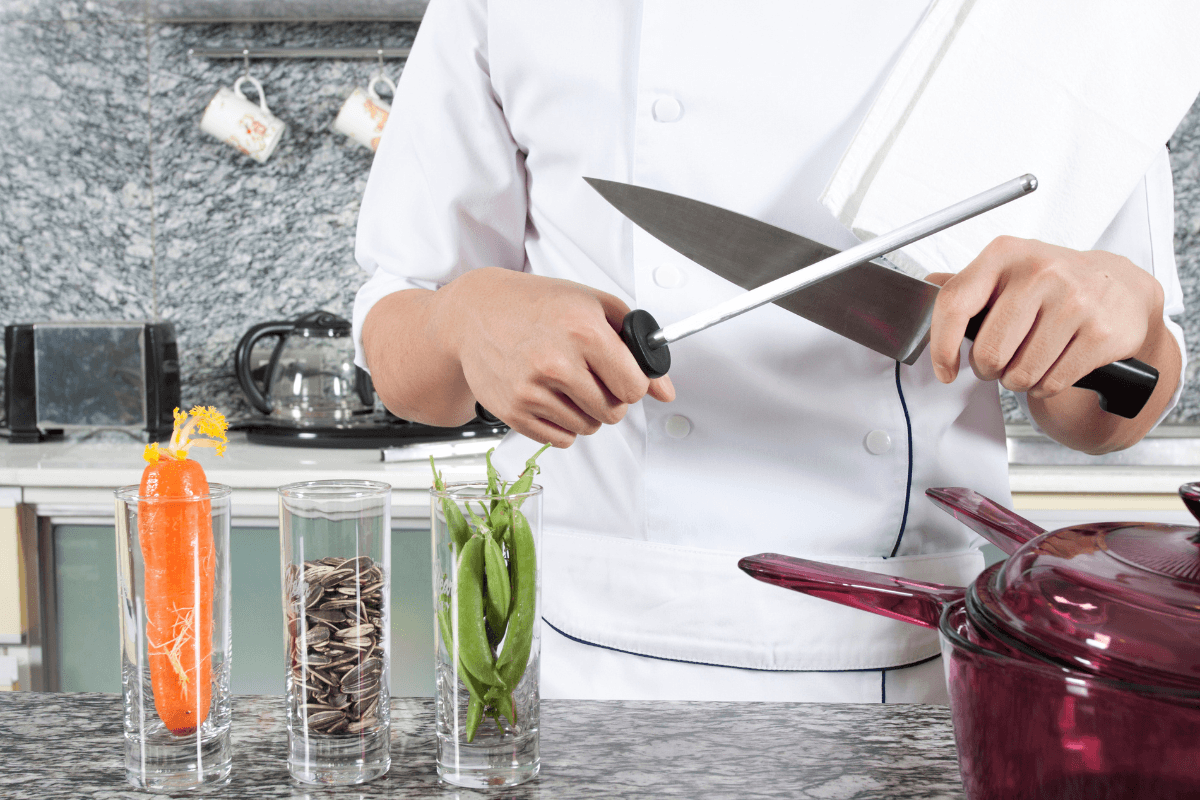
(69, 746)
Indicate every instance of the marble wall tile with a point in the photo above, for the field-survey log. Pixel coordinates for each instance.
(1185, 167)
(75, 227)
(238, 242)
(212, 10)
(72, 10)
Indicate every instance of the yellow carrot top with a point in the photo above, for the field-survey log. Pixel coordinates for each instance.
(202, 426)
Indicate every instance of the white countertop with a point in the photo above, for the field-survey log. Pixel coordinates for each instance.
(75, 478)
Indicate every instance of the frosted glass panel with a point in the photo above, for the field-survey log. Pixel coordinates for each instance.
(88, 635)
(85, 563)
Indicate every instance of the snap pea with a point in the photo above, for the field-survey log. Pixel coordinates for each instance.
(474, 715)
(459, 531)
(473, 647)
(493, 478)
(502, 700)
(525, 480)
(443, 617)
(514, 656)
(498, 589)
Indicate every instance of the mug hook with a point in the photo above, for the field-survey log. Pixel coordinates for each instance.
(246, 62)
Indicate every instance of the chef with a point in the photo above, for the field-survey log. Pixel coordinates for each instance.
(498, 275)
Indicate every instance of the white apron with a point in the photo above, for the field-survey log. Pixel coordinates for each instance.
(784, 437)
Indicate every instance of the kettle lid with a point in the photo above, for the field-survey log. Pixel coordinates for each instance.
(322, 322)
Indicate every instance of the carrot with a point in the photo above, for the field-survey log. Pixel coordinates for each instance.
(177, 548)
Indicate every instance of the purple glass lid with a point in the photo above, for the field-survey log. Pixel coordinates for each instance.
(1116, 599)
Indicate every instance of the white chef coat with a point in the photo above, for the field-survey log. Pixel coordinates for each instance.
(784, 436)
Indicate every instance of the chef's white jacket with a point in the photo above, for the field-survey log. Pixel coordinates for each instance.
(784, 436)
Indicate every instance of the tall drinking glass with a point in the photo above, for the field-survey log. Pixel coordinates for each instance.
(487, 614)
(173, 586)
(335, 540)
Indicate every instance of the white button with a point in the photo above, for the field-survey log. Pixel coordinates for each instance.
(667, 109)
(878, 442)
(668, 276)
(678, 426)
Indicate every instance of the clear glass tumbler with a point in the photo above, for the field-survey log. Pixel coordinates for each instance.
(173, 586)
(486, 596)
(335, 542)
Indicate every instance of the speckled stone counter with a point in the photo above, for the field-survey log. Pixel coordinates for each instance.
(69, 746)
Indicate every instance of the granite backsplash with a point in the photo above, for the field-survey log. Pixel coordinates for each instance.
(116, 206)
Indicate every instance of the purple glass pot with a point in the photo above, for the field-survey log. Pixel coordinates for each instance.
(1073, 667)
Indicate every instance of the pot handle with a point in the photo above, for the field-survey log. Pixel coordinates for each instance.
(917, 602)
(1003, 528)
(241, 362)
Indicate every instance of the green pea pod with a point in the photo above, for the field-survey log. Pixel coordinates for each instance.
(514, 656)
(498, 519)
(443, 620)
(502, 700)
(493, 477)
(474, 716)
(525, 481)
(498, 590)
(473, 647)
(459, 532)
(473, 686)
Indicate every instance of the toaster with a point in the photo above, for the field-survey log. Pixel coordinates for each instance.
(87, 375)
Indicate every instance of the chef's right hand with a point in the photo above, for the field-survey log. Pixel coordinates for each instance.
(544, 355)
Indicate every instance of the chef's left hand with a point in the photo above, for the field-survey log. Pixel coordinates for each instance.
(1055, 315)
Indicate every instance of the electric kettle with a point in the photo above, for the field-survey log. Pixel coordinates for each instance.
(310, 377)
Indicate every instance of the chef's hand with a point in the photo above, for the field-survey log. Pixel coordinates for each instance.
(1055, 315)
(542, 354)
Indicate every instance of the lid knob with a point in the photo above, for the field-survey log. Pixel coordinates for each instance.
(1190, 493)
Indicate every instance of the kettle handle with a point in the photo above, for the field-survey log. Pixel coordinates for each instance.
(241, 361)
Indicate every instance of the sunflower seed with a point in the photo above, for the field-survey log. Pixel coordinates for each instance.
(362, 643)
(326, 615)
(334, 577)
(364, 685)
(372, 667)
(341, 603)
(355, 631)
(359, 565)
(313, 594)
(359, 725)
(318, 634)
(322, 718)
(318, 659)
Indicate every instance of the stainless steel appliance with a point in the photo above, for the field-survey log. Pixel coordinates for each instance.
(80, 375)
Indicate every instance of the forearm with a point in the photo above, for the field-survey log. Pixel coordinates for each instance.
(413, 361)
(1075, 419)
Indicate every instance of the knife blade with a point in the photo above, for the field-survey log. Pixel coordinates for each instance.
(866, 302)
(872, 304)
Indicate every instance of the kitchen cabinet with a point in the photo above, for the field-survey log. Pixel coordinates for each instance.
(87, 630)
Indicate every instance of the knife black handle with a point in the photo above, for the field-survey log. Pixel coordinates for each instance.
(635, 332)
(1124, 386)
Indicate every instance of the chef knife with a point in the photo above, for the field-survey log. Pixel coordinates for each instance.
(869, 303)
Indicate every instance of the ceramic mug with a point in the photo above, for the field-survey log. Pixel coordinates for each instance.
(233, 119)
(364, 114)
